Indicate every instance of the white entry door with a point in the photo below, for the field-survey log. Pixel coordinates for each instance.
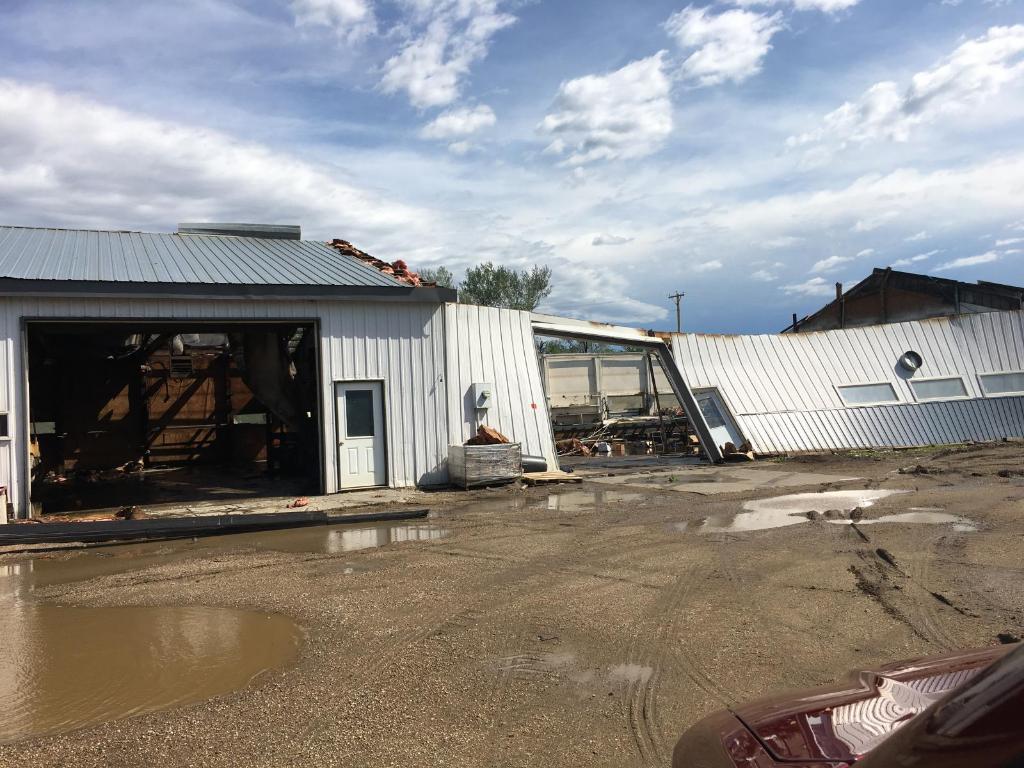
(361, 457)
(723, 428)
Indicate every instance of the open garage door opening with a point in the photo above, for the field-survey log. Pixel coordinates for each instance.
(125, 414)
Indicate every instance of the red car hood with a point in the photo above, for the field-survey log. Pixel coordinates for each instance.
(845, 723)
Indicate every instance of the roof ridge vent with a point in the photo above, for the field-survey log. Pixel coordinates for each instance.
(267, 231)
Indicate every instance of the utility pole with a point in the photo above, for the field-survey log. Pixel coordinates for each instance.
(678, 296)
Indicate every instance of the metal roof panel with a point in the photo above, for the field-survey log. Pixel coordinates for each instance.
(28, 253)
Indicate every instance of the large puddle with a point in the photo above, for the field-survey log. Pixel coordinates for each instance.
(335, 540)
(64, 667)
(837, 507)
(578, 501)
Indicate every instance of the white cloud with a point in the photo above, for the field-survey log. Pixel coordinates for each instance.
(832, 262)
(461, 147)
(708, 266)
(604, 239)
(625, 114)
(786, 241)
(352, 19)
(827, 6)
(922, 235)
(460, 122)
(69, 161)
(976, 71)
(968, 261)
(726, 46)
(871, 223)
(971, 196)
(450, 37)
(914, 259)
(764, 276)
(1009, 241)
(816, 286)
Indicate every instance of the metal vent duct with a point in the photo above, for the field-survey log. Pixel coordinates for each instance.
(267, 231)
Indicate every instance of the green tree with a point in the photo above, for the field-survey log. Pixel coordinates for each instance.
(561, 346)
(491, 286)
(439, 275)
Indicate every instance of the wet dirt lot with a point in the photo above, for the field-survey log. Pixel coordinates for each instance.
(566, 625)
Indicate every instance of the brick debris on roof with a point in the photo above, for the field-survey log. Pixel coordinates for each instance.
(397, 269)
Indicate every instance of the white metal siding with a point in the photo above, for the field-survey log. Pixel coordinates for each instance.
(782, 389)
(401, 344)
(496, 346)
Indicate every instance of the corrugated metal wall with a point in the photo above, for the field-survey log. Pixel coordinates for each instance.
(496, 346)
(782, 389)
(399, 344)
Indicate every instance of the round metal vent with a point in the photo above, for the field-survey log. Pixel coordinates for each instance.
(910, 361)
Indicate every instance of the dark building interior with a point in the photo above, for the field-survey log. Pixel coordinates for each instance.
(127, 414)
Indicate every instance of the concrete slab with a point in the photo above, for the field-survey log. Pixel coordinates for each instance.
(709, 481)
(354, 501)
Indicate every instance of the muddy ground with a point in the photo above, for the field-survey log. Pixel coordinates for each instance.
(584, 630)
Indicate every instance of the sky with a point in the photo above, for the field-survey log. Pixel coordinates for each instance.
(749, 153)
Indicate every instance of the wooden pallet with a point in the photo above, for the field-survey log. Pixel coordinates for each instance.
(546, 478)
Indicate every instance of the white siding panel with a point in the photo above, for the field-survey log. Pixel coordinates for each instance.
(782, 388)
(496, 346)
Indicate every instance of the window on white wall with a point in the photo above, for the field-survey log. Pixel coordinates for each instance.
(938, 389)
(868, 394)
(1011, 383)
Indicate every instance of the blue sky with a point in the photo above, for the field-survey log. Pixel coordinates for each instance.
(748, 152)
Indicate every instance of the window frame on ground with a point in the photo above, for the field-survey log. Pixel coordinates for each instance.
(982, 377)
(923, 398)
(864, 385)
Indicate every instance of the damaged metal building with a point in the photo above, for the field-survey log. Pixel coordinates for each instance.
(926, 382)
(235, 359)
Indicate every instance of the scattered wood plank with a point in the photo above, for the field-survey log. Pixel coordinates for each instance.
(547, 478)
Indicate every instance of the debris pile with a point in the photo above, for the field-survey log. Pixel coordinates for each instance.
(398, 269)
(487, 436)
(572, 447)
(730, 452)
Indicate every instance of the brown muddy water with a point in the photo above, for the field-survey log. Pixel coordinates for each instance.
(831, 506)
(338, 539)
(578, 501)
(68, 667)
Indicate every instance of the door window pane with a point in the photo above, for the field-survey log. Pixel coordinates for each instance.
(860, 394)
(359, 413)
(937, 389)
(1002, 383)
(709, 408)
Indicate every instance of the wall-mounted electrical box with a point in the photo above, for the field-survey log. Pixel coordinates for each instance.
(482, 395)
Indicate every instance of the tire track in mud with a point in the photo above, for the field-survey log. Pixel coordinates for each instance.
(901, 590)
(514, 572)
(638, 677)
(679, 648)
(918, 571)
(574, 556)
